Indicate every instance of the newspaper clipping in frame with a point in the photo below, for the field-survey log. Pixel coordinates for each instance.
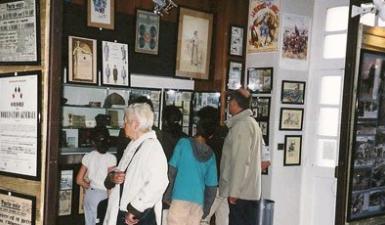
(16, 209)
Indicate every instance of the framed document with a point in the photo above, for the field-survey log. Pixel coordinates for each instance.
(20, 125)
(20, 32)
(65, 192)
(18, 209)
(82, 60)
(237, 37)
(234, 76)
(291, 119)
(292, 153)
(260, 80)
(115, 64)
(147, 32)
(293, 92)
(101, 14)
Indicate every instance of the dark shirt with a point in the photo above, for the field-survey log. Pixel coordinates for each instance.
(216, 143)
(168, 137)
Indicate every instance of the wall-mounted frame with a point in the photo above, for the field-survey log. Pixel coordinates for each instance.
(264, 125)
(115, 64)
(261, 107)
(65, 192)
(194, 44)
(237, 40)
(234, 75)
(17, 208)
(101, 14)
(260, 80)
(293, 92)
(292, 151)
(147, 32)
(82, 60)
(291, 119)
(20, 125)
(20, 33)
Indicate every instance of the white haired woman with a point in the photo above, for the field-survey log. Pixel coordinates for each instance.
(138, 182)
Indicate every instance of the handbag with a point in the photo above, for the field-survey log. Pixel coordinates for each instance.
(265, 212)
(147, 218)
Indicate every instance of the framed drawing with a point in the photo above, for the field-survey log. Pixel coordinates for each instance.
(234, 76)
(20, 32)
(82, 60)
(115, 64)
(101, 14)
(292, 151)
(194, 44)
(293, 92)
(291, 119)
(17, 208)
(147, 32)
(237, 37)
(260, 80)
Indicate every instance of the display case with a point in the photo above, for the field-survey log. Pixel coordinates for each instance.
(154, 95)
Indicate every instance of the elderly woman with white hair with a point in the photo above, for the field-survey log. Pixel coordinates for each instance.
(138, 182)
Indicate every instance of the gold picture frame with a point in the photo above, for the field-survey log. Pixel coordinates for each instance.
(101, 14)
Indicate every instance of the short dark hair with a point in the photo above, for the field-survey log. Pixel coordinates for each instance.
(101, 139)
(171, 115)
(206, 127)
(209, 112)
(141, 99)
(242, 100)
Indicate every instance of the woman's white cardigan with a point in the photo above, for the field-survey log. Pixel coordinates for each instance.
(146, 179)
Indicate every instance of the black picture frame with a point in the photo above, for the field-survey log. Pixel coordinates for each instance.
(260, 80)
(291, 119)
(234, 78)
(22, 197)
(292, 150)
(119, 55)
(293, 92)
(237, 38)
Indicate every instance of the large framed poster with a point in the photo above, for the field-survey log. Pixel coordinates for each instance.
(20, 125)
(20, 32)
(17, 209)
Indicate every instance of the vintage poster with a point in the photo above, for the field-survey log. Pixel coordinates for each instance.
(115, 64)
(19, 31)
(19, 125)
(263, 26)
(147, 32)
(101, 13)
(17, 209)
(65, 192)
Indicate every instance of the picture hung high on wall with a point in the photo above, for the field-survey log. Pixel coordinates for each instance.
(101, 14)
(291, 119)
(115, 64)
(82, 60)
(234, 76)
(20, 32)
(147, 32)
(293, 92)
(194, 44)
(292, 151)
(263, 27)
(260, 80)
(237, 36)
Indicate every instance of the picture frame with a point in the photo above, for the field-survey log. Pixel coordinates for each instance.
(293, 92)
(237, 40)
(292, 151)
(115, 64)
(260, 105)
(147, 32)
(21, 43)
(194, 44)
(21, 207)
(260, 80)
(234, 75)
(264, 125)
(101, 14)
(66, 190)
(291, 119)
(82, 61)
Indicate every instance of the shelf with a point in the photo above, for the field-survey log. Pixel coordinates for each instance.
(92, 107)
(84, 150)
(96, 87)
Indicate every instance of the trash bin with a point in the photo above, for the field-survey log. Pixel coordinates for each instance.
(265, 212)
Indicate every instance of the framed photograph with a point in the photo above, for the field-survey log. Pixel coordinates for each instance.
(147, 32)
(237, 37)
(115, 64)
(194, 44)
(291, 119)
(65, 192)
(17, 208)
(261, 107)
(101, 14)
(82, 60)
(293, 92)
(264, 125)
(260, 80)
(234, 75)
(292, 151)
(20, 32)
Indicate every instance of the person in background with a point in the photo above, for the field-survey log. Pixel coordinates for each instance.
(94, 169)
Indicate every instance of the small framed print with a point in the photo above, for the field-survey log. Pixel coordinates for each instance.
(101, 14)
(264, 125)
(260, 80)
(261, 107)
(147, 32)
(292, 151)
(237, 37)
(291, 119)
(293, 92)
(234, 76)
(115, 64)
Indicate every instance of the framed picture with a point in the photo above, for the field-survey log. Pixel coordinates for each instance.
(147, 32)
(264, 125)
(17, 208)
(101, 14)
(194, 44)
(260, 80)
(82, 60)
(234, 75)
(65, 192)
(293, 92)
(292, 151)
(115, 64)
(291, 119)
(237, 37)
(261, 107)
(20, 35)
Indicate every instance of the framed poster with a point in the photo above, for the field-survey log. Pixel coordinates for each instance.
(115, 64)
(194, 44)
(260, 80)
(20, 32)
(101, 14)
(17, 209)
(82, 60)
(234, 76)
(20, 131)
(292, 151)
(293, 92)
(291, 119)
(237, 37)
(147, 32)
(65, 192)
